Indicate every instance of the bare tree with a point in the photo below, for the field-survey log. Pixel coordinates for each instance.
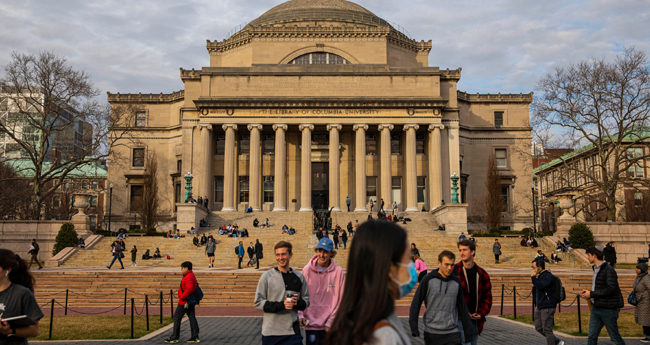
(49, 104)
(149, 207)
(477, 212)
(606, 107)
(13, 194)
(493, 200)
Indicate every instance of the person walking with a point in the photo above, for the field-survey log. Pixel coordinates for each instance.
(327, 278)
(348, 202)
(350, 229)
(281, 293)
(34, 248)
(372, 204)
(496, 249)
(259, 252)
(380, 271)
(543, 295)
(642, 294)
(344, 239)
(186, 305)
(381, 206)
(205, 202)
(134, 254)
(210, 248)
(335, 238)
(421, 267)
(609, 252)
(251, 253)
(17, 298)
(240, 254)
(394, 208)
(477, 289)
(606, 297)
(117, 254)
(445, 305)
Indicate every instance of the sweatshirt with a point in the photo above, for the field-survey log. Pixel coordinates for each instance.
(443, 298)
(420, 266)
(270, 296)
(210, 247)
(326, 292)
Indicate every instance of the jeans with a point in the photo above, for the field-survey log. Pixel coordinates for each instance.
(34, 259)
(315, 337)
(474, 339)
(544, 324)
(178, 316)
(442, 339)
(609, 319)
(345, 244)
(116, 256)
(123, 236)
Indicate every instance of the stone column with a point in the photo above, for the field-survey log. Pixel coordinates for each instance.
(206, 157)
(386, 188)
(360, 167)
(411, 167)
(334, 157)
(279, 184)
(229, 168)
(305, 168)
(255, 162)
(435, 166)
(454, 152)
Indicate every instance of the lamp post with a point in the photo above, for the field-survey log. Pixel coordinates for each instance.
(532, 188)
(110, 206)
(188, 186)
(454, 188)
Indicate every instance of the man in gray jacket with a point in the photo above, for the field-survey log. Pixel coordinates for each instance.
(210, 247)
(281, 293)
(442, 294)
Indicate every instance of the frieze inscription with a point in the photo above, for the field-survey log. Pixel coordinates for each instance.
(318, 112)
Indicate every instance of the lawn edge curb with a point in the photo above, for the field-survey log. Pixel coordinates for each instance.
(557, 333)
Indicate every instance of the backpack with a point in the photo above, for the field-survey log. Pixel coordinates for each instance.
(558, 294)
(196, 297)
(237, 250)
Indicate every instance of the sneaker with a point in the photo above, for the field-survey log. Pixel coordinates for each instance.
(560, 343)
(645, 340)
(193, 340)
(171, 341)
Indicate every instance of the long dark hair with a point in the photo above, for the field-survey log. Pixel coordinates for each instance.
(367, 297)
(19, 271)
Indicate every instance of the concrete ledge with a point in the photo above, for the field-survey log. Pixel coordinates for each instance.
(453, 217)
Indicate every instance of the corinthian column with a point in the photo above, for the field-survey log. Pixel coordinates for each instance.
(386, 188)
(229, 169)
(360, 167)
(335, 183)
(254, 173)
(305, 168)
(279, 184)
(206, 157)
(411, 165)
(435, 166)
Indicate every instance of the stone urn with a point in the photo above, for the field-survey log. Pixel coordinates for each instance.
(81, 202)
(566, 202)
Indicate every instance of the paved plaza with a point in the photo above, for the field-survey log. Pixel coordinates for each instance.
(246, 330)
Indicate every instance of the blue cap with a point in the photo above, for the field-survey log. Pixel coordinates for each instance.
(325, 244)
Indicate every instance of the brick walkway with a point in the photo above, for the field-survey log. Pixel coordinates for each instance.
(246, 330)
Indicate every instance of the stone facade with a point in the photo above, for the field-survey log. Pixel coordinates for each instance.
(294, 113)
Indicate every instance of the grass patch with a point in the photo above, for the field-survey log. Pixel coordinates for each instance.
(568, 323)
(626, 266)
(86, 327)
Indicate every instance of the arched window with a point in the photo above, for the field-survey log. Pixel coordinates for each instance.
(319, 59)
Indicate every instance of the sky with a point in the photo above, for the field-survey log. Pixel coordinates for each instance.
(502, 46)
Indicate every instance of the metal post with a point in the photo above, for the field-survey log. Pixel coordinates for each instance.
(110, 205)
(502, 290)
(171, 302)
(533, 299)
(559, 307)
(146, 307)
(125, 300)
(514, 298)
(51, 317)
(161, 308)
(132, 310)
(66, 301)
(579, 317)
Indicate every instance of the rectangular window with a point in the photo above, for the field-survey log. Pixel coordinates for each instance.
(638, 199)
(396, 185)
(218, 189)
(56, 201)
(269, 145)
(371, 189)
(320, 139)
(419, 143)
(93, 201)
(543, 184)
(502, 158)
(498, 119)
(93, 222)
(177, 194)
(504, 196)
(84, 185)
(422, 183)
(66, 185)
(394, 145)
(636, 169)
(94, 185)
(138, 157)
(371, 144)
(243, 188)
(220, 144)
(244, 144)
(140, 119)
(179, 166)
(268, 188)
(136, 197)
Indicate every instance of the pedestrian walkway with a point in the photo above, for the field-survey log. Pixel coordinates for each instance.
(247, 330)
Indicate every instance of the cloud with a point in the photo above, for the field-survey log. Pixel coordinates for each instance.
(502, 46)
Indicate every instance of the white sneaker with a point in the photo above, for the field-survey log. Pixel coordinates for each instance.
(560, 343)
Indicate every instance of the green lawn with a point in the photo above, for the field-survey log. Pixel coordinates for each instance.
(568, 323)
(86, 327)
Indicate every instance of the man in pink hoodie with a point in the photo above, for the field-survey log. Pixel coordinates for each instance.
(325, 280)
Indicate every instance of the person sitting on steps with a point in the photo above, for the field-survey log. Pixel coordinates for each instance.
(156, 254)
(256, 223)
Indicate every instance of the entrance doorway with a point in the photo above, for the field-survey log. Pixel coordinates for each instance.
(319, 185)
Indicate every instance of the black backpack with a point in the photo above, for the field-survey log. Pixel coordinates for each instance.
(237, 250)
(558, 293)
(196, 297)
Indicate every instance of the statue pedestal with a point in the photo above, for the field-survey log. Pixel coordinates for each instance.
(453, 217)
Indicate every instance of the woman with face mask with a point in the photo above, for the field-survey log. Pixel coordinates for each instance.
(17, 299)
(642, 294)
(380, 271)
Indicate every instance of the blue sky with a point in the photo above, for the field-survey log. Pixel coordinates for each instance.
(502, 46)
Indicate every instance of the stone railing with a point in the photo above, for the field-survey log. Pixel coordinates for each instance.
(488, 97)
(147, 98)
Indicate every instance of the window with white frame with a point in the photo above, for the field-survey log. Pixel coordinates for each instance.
(634, 155)
(502, 158)
(638, 199)
(141, 119)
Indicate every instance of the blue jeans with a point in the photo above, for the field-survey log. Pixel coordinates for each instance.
(472, 341)
(123, 236)
(607, 318)
(116, 256)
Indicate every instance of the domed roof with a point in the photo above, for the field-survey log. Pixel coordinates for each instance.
(301, 10)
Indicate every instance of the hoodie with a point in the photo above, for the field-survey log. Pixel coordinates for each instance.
(326, 290)
(445, 303)
(269, 298)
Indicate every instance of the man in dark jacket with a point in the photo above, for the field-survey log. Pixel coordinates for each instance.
(259, 252)
(319, 234)
(185, 291)
(251, 252)
(33, 250)
(543, 289)
(609, 252)
(606, 297)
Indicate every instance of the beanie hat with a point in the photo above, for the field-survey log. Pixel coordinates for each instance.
(643, 267)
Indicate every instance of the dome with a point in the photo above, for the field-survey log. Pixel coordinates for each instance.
(333, 10)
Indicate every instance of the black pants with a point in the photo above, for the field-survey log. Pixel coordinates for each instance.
(421, 276)
(496, 257)
(646, 331)
(240, 260)
(442, 339)
(315, 337)
(348, 207)
(178, 316)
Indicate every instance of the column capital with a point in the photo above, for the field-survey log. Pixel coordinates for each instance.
(360, 126)
(254, 125)
(203, 125)
(334, 125)
(436, 126)
(225, 126)
(280, 126)
(304, 126)
(385, 126)
(411, 125)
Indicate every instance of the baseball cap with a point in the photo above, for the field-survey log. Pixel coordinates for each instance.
(325, 244)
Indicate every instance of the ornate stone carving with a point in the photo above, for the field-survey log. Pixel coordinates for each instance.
(331, 126)
(492, 98)
(359, 126)
(384, 125)
(150, 98)
(254, 125)
(204, 125)
(229, 125)
(436, 125)
(190, 74)
(411, 125)
(304, 126)
(279, 125)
